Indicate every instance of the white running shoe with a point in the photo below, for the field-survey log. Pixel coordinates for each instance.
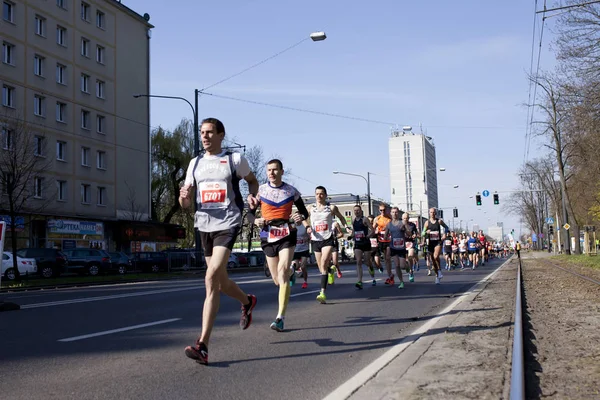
(437, 281)
(440, 276)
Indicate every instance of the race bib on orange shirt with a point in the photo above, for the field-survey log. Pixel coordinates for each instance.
(213, 194)
(278, 232)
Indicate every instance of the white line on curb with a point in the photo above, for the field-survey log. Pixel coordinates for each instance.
(128, 328)
(348, 388)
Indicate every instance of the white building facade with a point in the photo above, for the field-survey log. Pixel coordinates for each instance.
(413, 172)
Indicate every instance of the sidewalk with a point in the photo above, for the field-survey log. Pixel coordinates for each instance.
(465, 355)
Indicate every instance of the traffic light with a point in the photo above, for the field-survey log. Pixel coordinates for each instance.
(478, 199)
(456, 213)
(496, 199)
(441, 214)
(551, 230)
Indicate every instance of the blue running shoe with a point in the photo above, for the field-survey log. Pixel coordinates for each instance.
(277, 325)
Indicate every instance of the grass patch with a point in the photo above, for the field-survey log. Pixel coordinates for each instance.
(582, 260)
(28, 282)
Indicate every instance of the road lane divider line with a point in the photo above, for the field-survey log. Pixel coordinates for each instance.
(351, 386)
(101, 298)
(128, 328)
(304, 293)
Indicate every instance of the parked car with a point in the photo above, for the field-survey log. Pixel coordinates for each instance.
(242, 258)
(120, 261)
(50, 262)
(92, 261)
(150, 261)
(233, 261)
(26, 266)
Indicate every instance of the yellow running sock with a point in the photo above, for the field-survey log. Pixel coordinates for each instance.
(284, 298)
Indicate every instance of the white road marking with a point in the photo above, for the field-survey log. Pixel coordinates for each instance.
(304, 293)
(128, 328)
(348, 388)
(101, 298)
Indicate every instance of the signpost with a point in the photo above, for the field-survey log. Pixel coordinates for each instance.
(550, 221)
(567, 226)
(486, 193)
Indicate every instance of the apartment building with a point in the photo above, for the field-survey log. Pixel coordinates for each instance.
(68, 70)
(413, 171)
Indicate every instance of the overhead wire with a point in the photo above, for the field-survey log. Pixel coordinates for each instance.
(527, 125)
(536, 82)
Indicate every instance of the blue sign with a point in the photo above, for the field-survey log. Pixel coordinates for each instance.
(550, 221)
(533, 237)
(485, 193)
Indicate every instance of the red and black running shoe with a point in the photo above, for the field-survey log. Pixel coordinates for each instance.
(246, 318)
(198, 352)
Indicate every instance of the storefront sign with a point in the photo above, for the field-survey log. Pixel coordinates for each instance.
(75, 227)
(69, 244)
(19, 225)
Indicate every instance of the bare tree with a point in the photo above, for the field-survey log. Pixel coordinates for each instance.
(552, 127)
(23, 165)
(134, 211)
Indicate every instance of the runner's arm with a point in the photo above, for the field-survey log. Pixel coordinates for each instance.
(425, 227)
(301, 207)
(336, 211)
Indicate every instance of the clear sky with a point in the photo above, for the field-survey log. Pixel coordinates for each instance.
(457, 68)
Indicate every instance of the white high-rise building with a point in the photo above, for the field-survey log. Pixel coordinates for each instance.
(413, 171)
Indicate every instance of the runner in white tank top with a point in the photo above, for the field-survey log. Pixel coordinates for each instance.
(321, 219)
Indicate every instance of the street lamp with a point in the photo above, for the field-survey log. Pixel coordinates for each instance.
(314, 36)
(367, 180)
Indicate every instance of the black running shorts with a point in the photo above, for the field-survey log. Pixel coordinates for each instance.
(225, 238)
(318, 245)
(273, 249)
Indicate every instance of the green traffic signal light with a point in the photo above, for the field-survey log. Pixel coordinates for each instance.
(496, 198)
(478, 199)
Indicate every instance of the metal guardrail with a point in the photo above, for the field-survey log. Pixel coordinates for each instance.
(517, 376)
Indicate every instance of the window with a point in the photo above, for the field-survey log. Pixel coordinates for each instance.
(39, 105)
(40, 26)
(62, 4)
(40, 143)
(8, 53)
(85, 119)
(38, 65)
(7, 138)
(85, 156)
(61, 189)
(8, 96)
(100, 89)
(61, 74)
(85, 11)
(101, 196)
(100, 19)
(85, 193)
(85, 83)
(85, 47)
(100, 123)
(61, 150)
(38, 185)
(61, 111)
(101, 160)
(61, 35)
(8, 11)
(100, 54)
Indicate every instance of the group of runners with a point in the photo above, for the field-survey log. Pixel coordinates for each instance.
(212, 183)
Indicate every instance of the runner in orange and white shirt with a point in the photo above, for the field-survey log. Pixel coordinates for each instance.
(278, 235)
(379, 225)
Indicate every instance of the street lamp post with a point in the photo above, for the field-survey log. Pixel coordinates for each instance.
(367, 180)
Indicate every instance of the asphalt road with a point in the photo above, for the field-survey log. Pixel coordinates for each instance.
(71, 343)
